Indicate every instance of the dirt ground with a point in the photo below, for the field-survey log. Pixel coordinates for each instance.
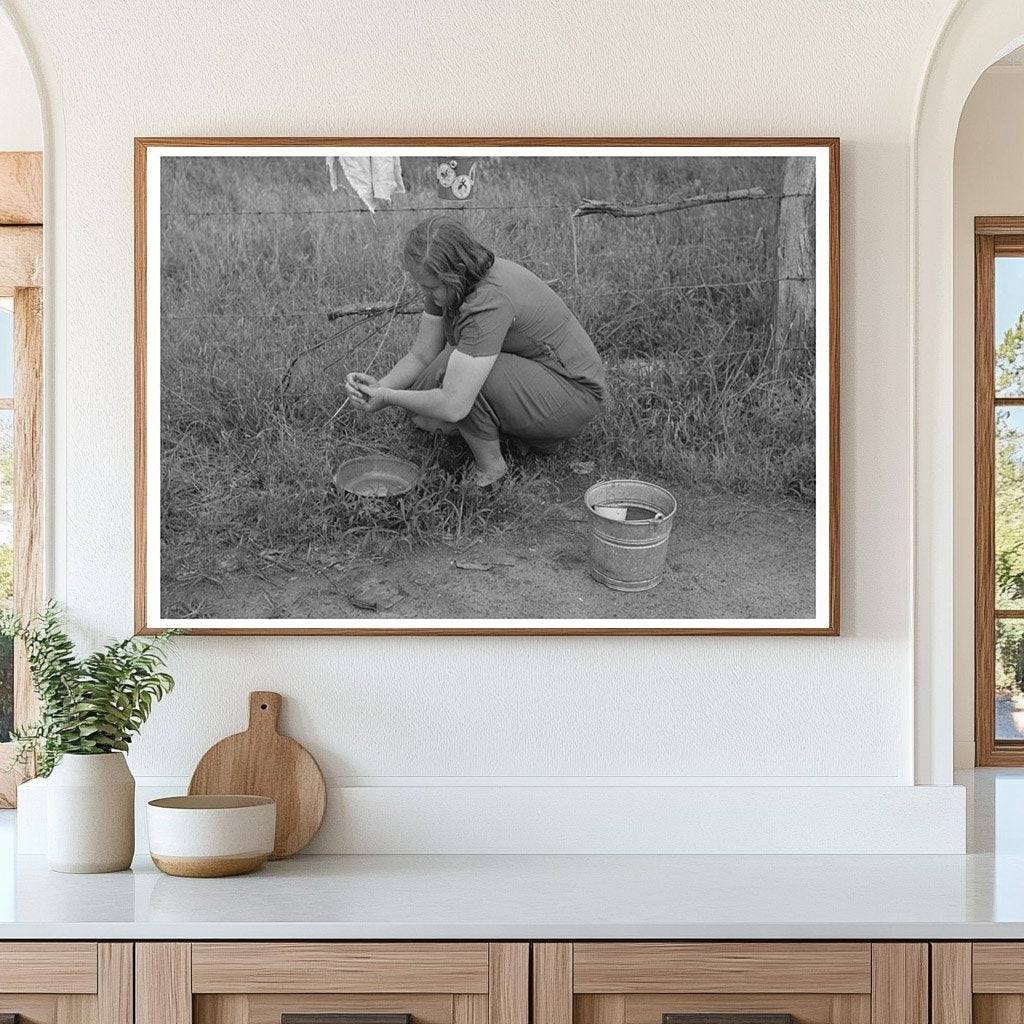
(1009, 718)
(729, 557)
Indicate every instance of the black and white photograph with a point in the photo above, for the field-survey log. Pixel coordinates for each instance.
(451, 386)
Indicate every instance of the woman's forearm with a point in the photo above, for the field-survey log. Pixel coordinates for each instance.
(434, 403)
(404, 372)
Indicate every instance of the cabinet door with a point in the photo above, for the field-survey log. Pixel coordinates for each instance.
(66, 982)
(980, 982)
(738, 982)
(315, 982)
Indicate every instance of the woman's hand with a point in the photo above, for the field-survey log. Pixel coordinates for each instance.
(354, 381)
(372, 398)
(366, 393)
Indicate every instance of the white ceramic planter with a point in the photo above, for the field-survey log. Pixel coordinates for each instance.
(90, 814)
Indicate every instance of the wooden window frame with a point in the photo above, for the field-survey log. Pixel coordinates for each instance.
(993, 236)
(21, 270)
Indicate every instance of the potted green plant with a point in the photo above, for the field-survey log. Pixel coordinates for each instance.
(89, 710)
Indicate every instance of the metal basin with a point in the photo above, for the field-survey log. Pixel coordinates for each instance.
(376, 476)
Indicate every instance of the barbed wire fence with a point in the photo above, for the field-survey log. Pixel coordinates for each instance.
(365, 313)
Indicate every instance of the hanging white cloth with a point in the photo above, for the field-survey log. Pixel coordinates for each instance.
(372, 178)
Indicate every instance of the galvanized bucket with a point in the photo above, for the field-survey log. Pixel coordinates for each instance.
(630, 521)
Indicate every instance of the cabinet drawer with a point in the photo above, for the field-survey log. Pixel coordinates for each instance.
(48, 967)
(340, 967)
(998, 967)
(749, 982)
(634, 967)
(261, 982)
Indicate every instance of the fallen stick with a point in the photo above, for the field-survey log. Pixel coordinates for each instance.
(287, 376)
(595, 206)
(369, 309)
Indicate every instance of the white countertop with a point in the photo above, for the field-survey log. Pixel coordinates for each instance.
(978, 896)
(532, 897)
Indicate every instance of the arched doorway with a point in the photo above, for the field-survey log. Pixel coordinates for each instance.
(975, 35)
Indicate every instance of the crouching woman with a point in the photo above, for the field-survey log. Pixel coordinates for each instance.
(497, 353)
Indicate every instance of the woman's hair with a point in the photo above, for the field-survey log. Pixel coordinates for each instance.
(443, 248)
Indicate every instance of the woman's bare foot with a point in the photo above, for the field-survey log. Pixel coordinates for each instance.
(489, 474)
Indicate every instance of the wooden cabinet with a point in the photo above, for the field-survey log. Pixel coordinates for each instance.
(66, 982)
(648, 982)
(259, 982)
(493, 983)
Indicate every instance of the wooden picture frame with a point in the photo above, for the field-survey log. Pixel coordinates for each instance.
(825, 620)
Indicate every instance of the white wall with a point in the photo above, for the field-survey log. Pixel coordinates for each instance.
(21, 125)
(988, 181)
(441, 714)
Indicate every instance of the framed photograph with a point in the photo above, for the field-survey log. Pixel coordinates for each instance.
(487, 386)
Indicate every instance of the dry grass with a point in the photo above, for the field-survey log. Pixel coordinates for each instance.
(678, 306)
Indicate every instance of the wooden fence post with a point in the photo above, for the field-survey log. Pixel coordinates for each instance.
(794, 307)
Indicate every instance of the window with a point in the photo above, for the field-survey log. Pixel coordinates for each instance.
(6, 509)
(999, 490)
(21, 366)
(20, 504)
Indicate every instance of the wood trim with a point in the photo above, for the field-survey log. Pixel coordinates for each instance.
(851, 1009)
(635, 967)
(49, 967)
(835, 491)
(994, 236)
(951, 983)
(600, 1009)
(144, 143)
(115, 983)
(468, 1008)
(232, 1009)
(997, 967)
(999, 226)
(11, 776)
(984, 501)
(21, 262)
(28, 480)
(141, 355)
(899, 983)
(28, 515)
(163, 983)
(340, 967)
(21, 257)
(44, 1009)
(552, 983)
(829, 142)
(21, 188)
(508, 983)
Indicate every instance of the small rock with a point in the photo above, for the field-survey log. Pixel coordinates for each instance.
(376, 594)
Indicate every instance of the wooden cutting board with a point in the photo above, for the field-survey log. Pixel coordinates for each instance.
(262, 762)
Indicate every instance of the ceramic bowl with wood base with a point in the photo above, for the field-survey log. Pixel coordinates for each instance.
(211, 836)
